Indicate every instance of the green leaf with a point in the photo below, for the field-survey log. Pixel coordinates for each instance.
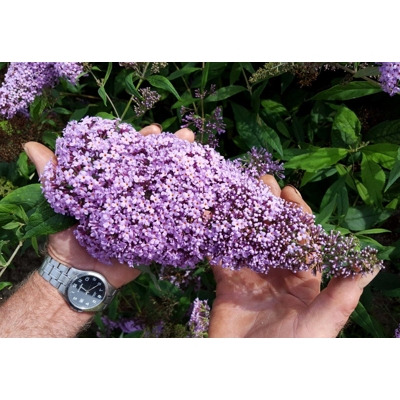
(331, 191)
(365, 217)
(78, 114)
(146, 269)
(349, 91)
(162, 82)
(44, 221)
(37, 107)
(168, 122)
(254, 131)
(11, 225)
(186, 70)
(316, 160)
(3, 285)
(368, 71)
(22, 164)
(373, 231)
(373, 179)
(204, 76)
(224, 93)
(326, 212)
(236, 71)
(346, 129)
(395, 172)
(363, 192)
(105, 115)
(61, 110)
(247, 66)
(361, 317)
(384, 154)
(49, 138)
(387, 283)
(274, 108)
(28, 197)
(103, 94)
(317, 176)
(385, 132)
(108, 73)
(130, 87)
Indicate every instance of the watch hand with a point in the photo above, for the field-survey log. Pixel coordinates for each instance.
(92, 288)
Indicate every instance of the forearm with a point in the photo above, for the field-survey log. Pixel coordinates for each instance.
(36, 310)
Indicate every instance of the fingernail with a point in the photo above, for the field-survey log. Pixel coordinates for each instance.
(160, 126)
(295, 190)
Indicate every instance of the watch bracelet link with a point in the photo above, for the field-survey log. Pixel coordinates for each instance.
(59, 276)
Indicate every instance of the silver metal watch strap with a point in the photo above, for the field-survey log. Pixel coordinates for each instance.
(59, 276)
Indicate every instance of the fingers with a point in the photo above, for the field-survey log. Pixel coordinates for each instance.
(185, 134)
(40, 155)
(270, 181)
(291, 194)
(331, 309)
(151, 129)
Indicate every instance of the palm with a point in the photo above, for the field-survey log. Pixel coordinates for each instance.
(249, 304)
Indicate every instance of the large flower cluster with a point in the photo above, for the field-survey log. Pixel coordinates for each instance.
(390, 77)
(26, 80)
(162, 199)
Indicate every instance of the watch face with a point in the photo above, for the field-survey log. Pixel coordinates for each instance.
(86, 292)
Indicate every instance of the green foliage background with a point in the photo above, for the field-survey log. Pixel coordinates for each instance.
(334, 128)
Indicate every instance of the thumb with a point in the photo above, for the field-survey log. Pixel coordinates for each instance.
(40, 155)
(331, 309)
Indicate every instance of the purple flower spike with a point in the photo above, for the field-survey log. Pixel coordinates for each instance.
(162, 199)
(199, 319)
(26, 80)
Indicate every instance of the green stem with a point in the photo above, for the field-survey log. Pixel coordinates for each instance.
(80, 95)
(4, 267)
(188, 89)
(247, 82)
(100, 84)
(349, 70)
(137, 87)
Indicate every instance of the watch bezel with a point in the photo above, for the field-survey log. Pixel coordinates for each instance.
(81, 274)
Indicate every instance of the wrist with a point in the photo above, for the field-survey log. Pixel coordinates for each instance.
(82, 290)
(64, 248)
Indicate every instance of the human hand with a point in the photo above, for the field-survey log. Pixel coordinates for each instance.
(282, 303)
(63, 246)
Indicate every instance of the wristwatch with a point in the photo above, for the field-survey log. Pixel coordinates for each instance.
(84, 291)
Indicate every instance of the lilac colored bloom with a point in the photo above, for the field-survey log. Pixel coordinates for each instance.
(26, 80)
(209, 126)
(397, 332)
(162, 199)
(149, 98)
(390, 76)
(199, 319)
(69, 71)
(259, 162)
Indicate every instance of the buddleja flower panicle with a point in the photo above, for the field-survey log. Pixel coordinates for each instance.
(26, 80)
(162, 199)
